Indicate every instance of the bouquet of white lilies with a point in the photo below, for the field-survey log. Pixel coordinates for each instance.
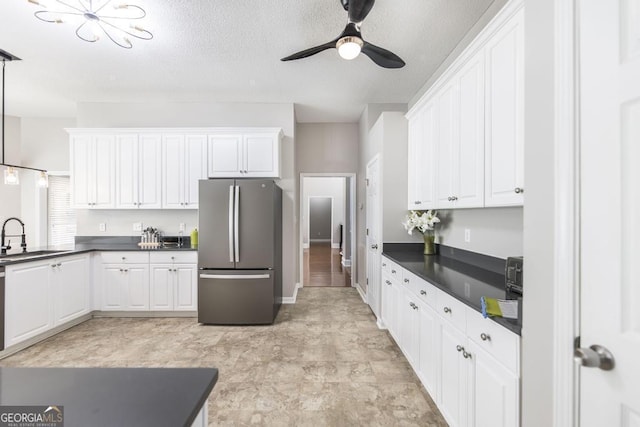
(422, 223)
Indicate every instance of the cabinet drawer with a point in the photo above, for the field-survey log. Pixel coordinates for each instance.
(498, 341)
(125, 257)
(174, 257)
(410, 281)
(391, 268)
(426, 292)
(451, 309)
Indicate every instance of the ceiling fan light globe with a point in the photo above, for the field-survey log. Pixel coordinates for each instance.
(349, 47)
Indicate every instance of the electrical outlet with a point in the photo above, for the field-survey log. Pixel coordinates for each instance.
(102, 226)
(467, 235)
(137, 226)
(183, 227)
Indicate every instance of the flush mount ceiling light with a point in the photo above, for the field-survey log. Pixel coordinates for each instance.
(11, 176)
(96, 18)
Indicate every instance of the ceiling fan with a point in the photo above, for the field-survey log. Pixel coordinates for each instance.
(350, 43)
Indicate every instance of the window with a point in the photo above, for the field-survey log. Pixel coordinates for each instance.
(61, 217)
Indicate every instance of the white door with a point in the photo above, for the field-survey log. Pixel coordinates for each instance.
(137, 287)
(161, 289)
(186, 287)
(225, 156)
(610, 208)
(260, 155)
(70, 287)
(374, 231)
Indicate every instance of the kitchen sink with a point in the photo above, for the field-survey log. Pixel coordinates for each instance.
(30, 255)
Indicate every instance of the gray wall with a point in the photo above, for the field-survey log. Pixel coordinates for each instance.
(323, 186)
(198, 114)
(320, 218)
(45, 143)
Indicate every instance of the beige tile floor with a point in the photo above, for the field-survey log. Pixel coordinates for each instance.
(323, 363)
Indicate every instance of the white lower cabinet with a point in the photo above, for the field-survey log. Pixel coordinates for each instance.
(143, 281)
(174, 281)
(43, 294)
(469, 365)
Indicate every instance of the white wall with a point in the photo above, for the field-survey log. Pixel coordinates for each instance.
(10, 195)
(45, 143)
(324, 187)
(537, 331)
(198, 114)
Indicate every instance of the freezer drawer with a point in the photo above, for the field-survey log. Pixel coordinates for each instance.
(236, 297)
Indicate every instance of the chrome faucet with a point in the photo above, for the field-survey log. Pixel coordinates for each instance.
(23, 244)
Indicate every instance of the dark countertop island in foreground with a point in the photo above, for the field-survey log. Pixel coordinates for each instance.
(120, 397)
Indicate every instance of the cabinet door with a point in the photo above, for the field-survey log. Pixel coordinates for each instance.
(27, 301)
(185, 288)
(149, 171)
(81, 170)
(447, 144)
(137, 287)
(428, 353)
(225, 156)
(161, 288)
(385, 301)
(495, 395)
(113, 282)
(195, 168)
(173, 171)
(504, 144)
(261, 155)
(70, 285)
(422, 158)
(469, 162)
(127, 171)
(453, 384)
(102, 179)
(410, 335)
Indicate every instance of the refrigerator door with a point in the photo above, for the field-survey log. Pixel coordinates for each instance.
(238, 297)
(255, 229)
(215, 224)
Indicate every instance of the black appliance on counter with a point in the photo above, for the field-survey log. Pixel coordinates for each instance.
(513, 275)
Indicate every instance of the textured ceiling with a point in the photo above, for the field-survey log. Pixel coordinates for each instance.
(229, 51)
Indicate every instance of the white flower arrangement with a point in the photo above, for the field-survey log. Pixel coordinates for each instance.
(422, 223)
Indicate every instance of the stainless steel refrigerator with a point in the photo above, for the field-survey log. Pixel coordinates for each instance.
(239, 251)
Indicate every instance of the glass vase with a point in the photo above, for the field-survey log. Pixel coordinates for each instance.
(429, 242)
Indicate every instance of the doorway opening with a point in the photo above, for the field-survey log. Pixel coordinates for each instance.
(327, 226)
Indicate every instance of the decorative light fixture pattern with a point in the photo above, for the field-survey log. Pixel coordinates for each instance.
(96, 18)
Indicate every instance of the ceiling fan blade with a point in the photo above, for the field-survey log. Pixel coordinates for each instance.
(311, 51)
(382, 57)
(359, 9)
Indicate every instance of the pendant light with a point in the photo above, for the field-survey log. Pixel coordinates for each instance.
(11, 174)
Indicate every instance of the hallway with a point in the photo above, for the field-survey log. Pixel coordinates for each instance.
(323, 267)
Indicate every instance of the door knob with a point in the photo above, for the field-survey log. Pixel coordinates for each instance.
(595, 356)
(374, 246)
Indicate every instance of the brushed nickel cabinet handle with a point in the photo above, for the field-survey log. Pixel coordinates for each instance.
(447, 310)
(423, 292)
(485, 337)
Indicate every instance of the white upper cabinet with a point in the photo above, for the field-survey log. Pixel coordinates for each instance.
(422, 134)
(505, 115)
(184, 163)
(92, 171)
(245, 155)
(138, 171)
(477, 124)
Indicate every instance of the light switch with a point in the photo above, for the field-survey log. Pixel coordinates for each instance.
(102, 226)
(137, 226)
(467, 235)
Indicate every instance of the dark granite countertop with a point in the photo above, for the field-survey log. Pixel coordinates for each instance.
(464, 275)
(121, 397)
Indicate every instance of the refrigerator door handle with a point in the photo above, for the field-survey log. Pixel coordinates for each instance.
(231, 204)
(236, 225)
(234, 277)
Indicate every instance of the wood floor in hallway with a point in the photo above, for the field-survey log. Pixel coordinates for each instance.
(323, 266)
(322, 363)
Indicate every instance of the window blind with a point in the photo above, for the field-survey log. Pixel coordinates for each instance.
(61, 218)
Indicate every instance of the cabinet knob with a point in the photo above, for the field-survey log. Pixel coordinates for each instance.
(59, 264)
(449, 198)
(423, 292)
(447, 310)
(387, 282)
(417, 202)
(406, 280)
(465, 354)
(454, 198)
(519, 190)
(415, 307)
(124, 258)
(126, 270)
(384, 265)
(393, 272)
(459, 348)
(485, 337)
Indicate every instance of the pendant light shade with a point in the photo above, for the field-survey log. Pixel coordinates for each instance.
(11, 176)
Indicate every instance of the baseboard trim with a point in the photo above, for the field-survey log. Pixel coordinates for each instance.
(292, 300)
(346, 262)
(305, 246)
(150, 314)
(335, 246)
(380, 324)
(362, 294)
